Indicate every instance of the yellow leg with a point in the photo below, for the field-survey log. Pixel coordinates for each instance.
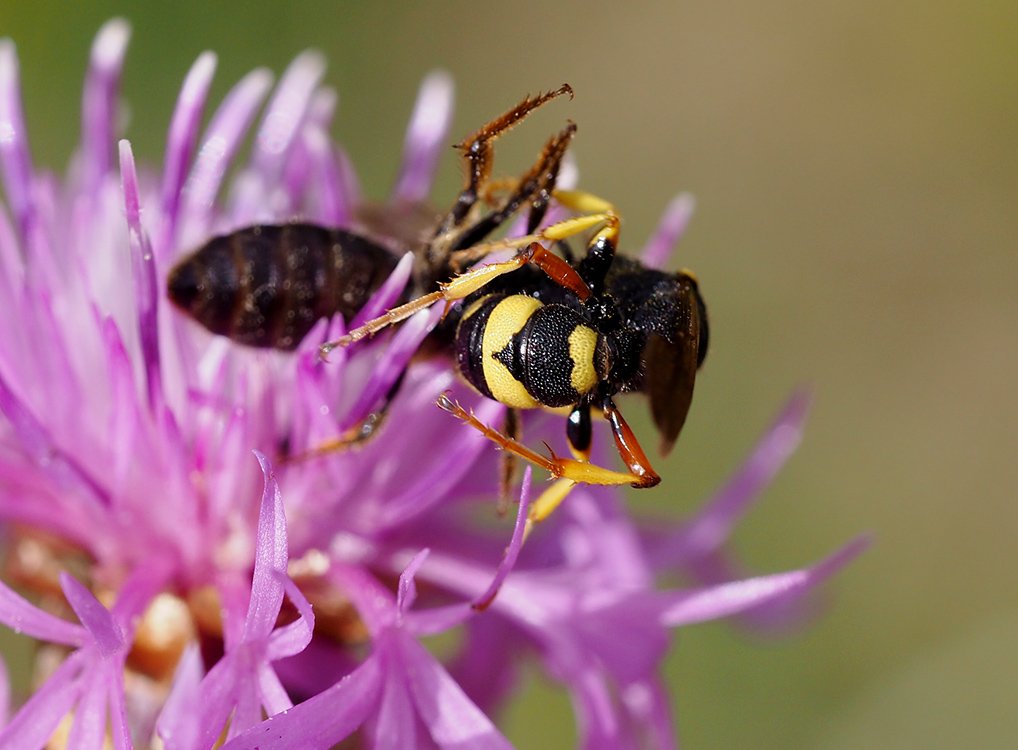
(580, 472)
(547, 503)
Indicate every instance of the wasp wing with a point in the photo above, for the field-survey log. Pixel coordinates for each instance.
(670, 365)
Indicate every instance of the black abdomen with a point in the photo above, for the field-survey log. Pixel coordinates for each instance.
(267, 285)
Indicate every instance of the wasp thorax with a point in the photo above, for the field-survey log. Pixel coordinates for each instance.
(525, 354)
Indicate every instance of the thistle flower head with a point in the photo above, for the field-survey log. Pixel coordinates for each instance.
(197, 582)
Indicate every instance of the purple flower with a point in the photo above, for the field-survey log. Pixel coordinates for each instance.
(128, 446)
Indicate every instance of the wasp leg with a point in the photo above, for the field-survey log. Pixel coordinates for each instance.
(608, 223)
(600, 251)
(629, 448)
(507, 462)
(536, 187)
(580, 472)
(357, 434)
(478, 150)
(465, 284)
(386, 319)
(579, 433)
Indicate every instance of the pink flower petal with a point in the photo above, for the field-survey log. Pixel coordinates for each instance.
(286, 111)
(15, 158)
(395, 726)
(451, 718)
(177, 725)
(724, 600)
(426, 134)
(391, 365)
(321, 721)
(272, 694)
(334, 207)
(406, 592)
(180, 143)
(99, 102)
(93, 615)
(512, 552)
(5, 694)
(388, 293)
(714, 523)
(89, 726)
(270, 560)
(22, 617)
(143, 272)
(222, 139)
(33, 724)
(670, 229)
(291, 639)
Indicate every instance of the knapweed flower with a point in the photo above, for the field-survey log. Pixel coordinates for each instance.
(196, 571)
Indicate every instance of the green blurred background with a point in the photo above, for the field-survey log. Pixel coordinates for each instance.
(856, 171)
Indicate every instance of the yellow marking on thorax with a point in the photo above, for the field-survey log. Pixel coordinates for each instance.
(505, 321)
(582, 344)
(473, 307)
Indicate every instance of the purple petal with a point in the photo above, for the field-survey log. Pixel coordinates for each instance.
(334, 206)
(247, 703)
(347, 175)
(177, 725)
(143, 271)
(373, 601)
(181, 140)
(429, 125)
(273, 695)
(12, 267)
(34, 439)
(15, 158)
(391, 365)
(596, 717)
(286, 111)
(291, 639)
(99, 101)
(648, 706)
(5, 694)
(407, 590)
(388, 293)
(270, 559)
(22, 617)
(34, 723)
(395, 726)
(145, 583)
(714, 523)
(93, 615)
(724, 600)
(223, 137)
(488, 664)
(89, 725)
(433, 483)
(440, 619)
(512, 552)
(117, 709)
(670, 228)
(321, 721)
(219, 692)
(452, 720)
(627, 638)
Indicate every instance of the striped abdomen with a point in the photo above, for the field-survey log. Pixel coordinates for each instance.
(268, 285)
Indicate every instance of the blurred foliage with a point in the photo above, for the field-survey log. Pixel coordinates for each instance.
(856, 171)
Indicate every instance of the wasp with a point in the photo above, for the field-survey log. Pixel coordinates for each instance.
(539, 330)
